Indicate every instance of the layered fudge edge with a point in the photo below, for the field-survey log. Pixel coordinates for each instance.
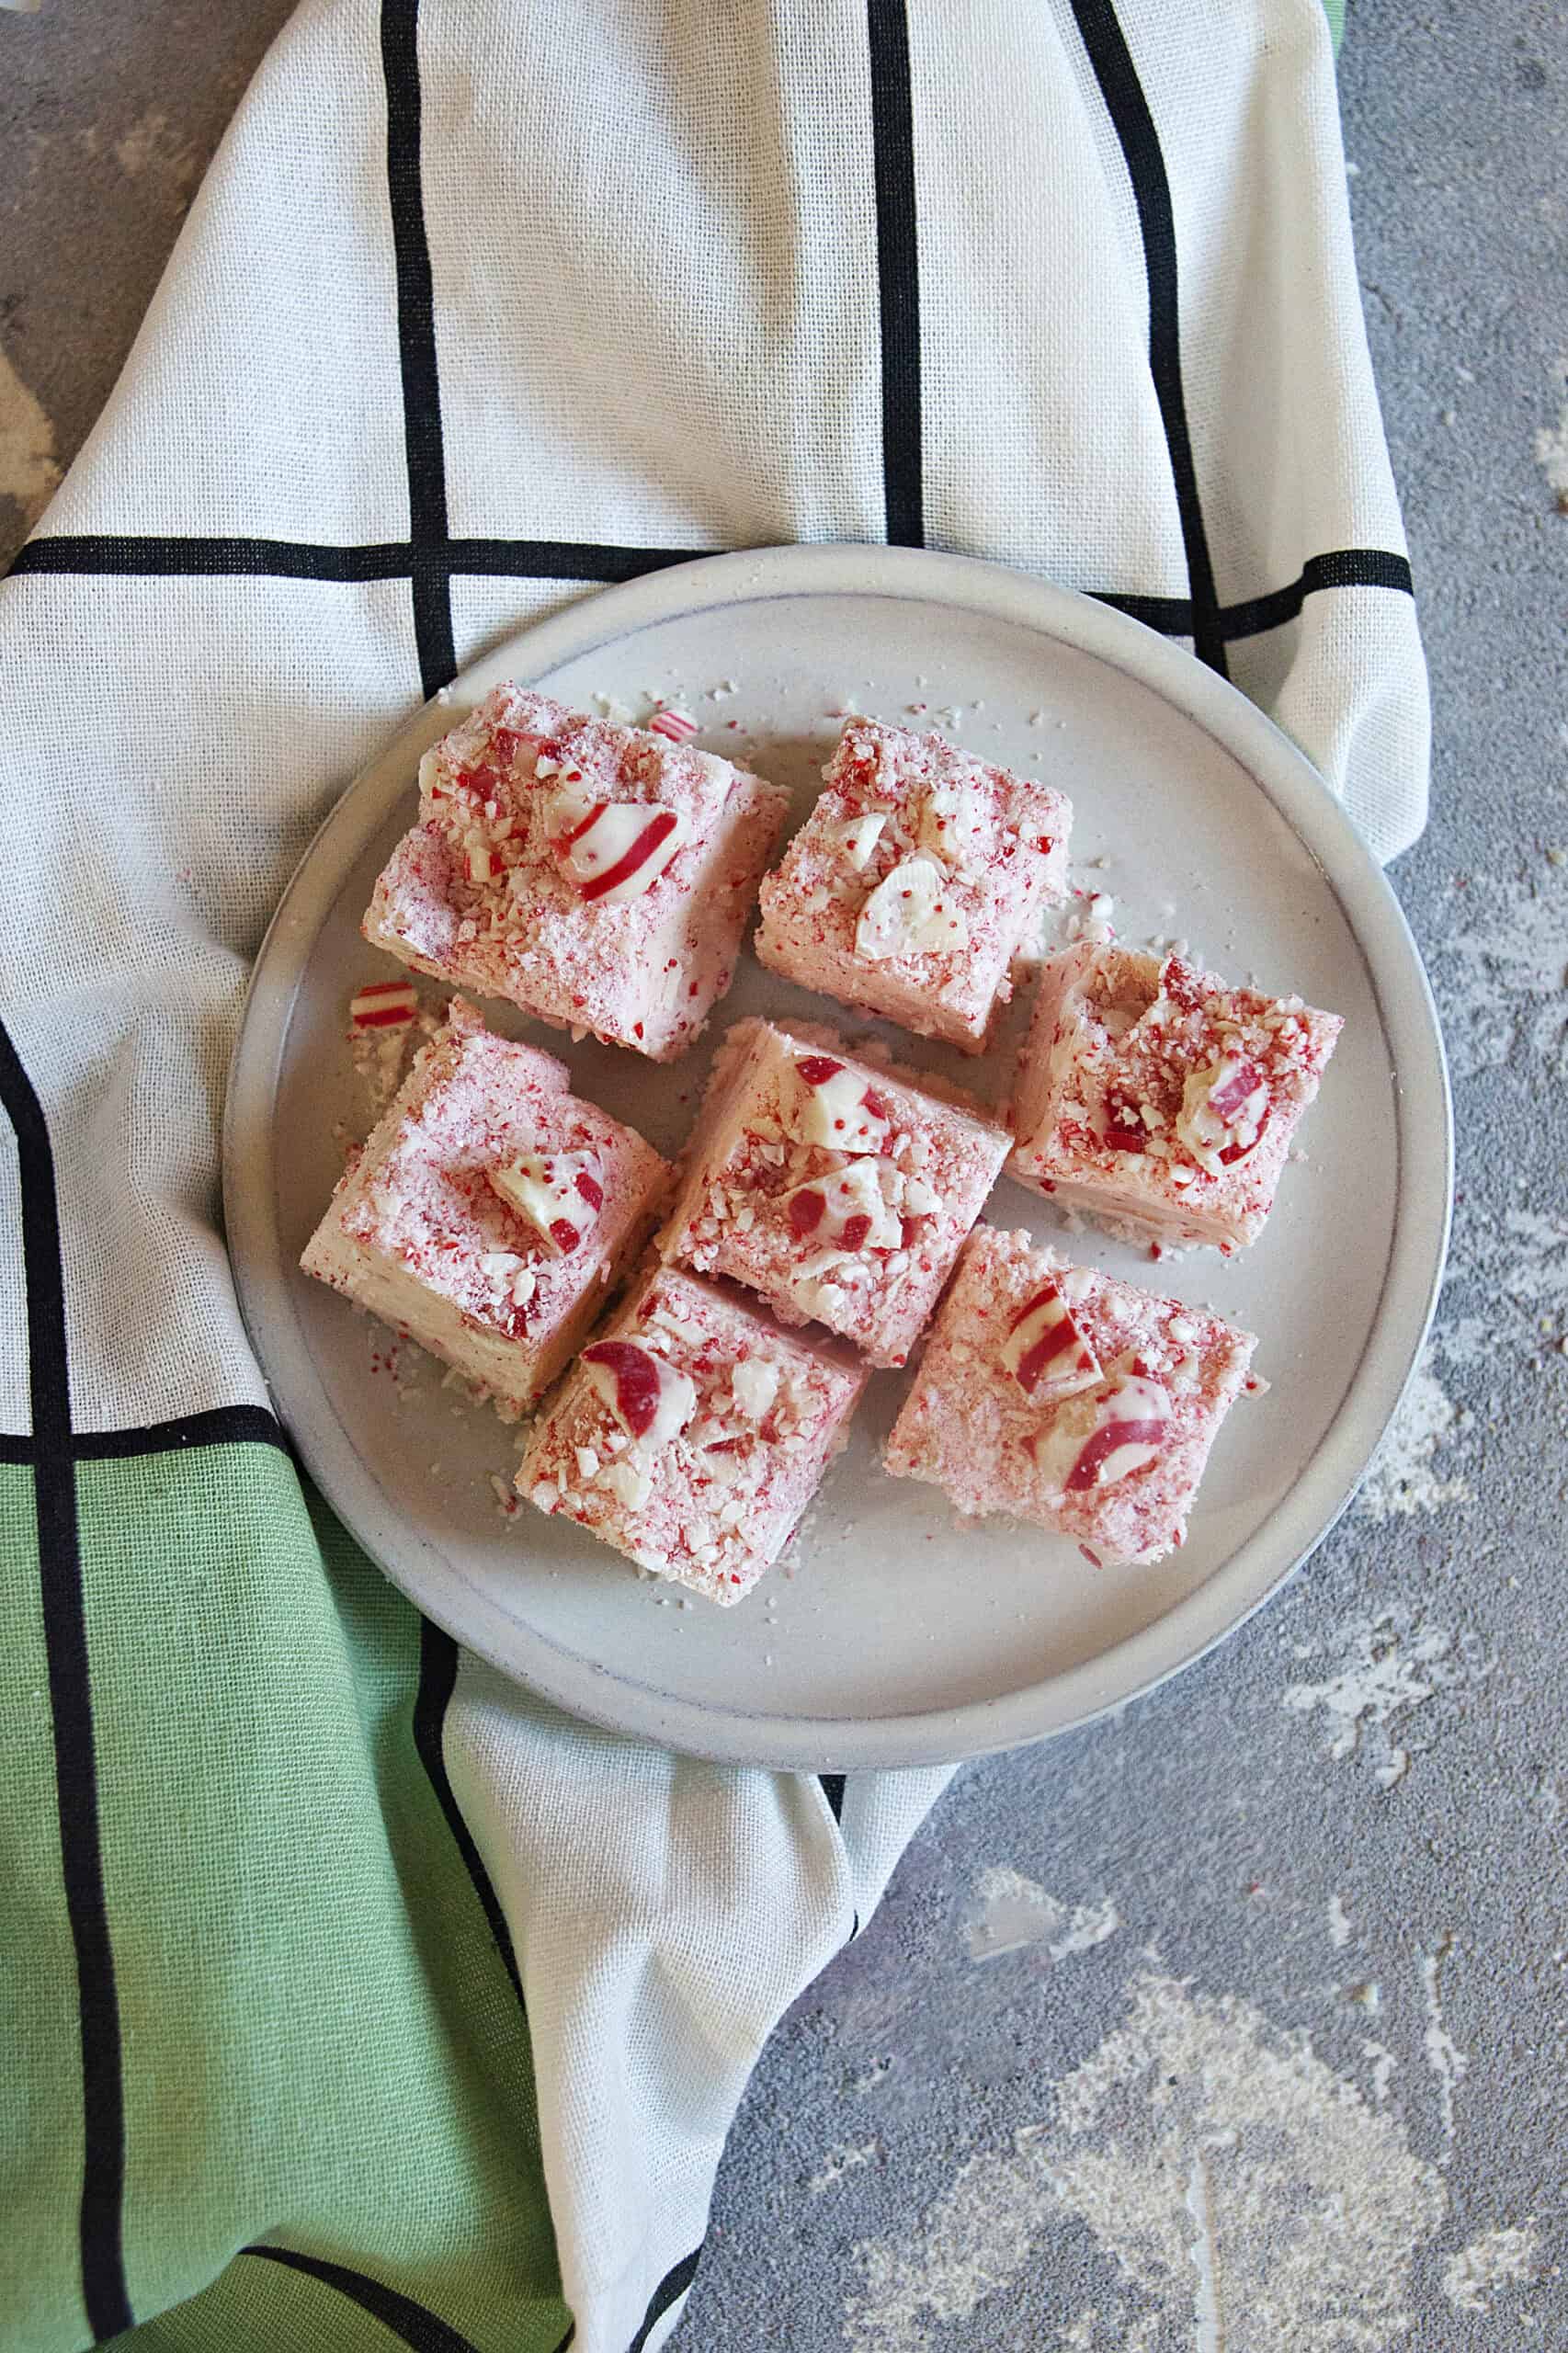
(945, 1149)
(739, 1419)
(524, 879)
(1131, 1392)
(475, 1309)
(965, 856)
(1185, 1124)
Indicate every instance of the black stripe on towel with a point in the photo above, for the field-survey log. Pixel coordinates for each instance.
(1346, 568)
(101, 2219)
(898, 272)
(437, 1680)
(1135, 126)
(218, 1426)
(153, 558)
(406, 2320)
(417, 348)
(670, 2290)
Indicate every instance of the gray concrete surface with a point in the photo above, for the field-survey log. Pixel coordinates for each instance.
(1241, 2023)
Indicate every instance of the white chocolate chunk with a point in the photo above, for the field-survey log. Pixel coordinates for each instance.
(834, 1107)
(1223, 1106)
(860, 836)
(949, 825)
(1094, 1440)
(848, 1206)
(907, 915)
(756, 1385)
(568, 804)
(559, 1193)
(650, 1400)
(627, 1481)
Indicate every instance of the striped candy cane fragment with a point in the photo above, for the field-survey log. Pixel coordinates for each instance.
(620, 848)
(1133, 1425)
(1045, 1351)
(385, 1005)
(673, 724)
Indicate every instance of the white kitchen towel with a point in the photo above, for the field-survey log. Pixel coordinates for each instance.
(482, 305)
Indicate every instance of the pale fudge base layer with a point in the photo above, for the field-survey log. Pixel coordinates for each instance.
(500, 888)
(417, 1232)
(918, 878)
(839, 1189)
(712, 1501)
(1113, 1463)
(1158, 1100)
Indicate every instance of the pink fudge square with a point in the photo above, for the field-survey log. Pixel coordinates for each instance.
(599, 877)
(1058, 1395)
(1159, 1100)
(838, 1188)
(916, 881)
(489, 1211)
(693, 1434)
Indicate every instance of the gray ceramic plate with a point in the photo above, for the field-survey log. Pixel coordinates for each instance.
(897, 1637)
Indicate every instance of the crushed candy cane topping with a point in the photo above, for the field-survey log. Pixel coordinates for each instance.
(1044, 1349)
(560, 1194)
(908, 915)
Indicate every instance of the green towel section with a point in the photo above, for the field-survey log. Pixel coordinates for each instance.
(329, 2128)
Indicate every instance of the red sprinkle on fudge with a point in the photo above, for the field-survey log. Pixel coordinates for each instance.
(693, 1434)
(837, 1189)
(600, 877)
(1158, 1099)
(917, 878)
(1056, 1394)
(490, 1210)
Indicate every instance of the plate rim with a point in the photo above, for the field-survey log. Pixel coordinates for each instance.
(1138, 1664)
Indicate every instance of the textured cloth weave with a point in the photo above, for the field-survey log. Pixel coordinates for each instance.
(345, 1989)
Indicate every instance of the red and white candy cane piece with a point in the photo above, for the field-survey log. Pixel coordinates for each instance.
(1044, 1349)
(648, 1397)
(834, 1107)
(385, 1005)
(558, 1193)
(847, 1206)
(1132, 1422)
(1224, 1109)
(673, 724)
(620, 848)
